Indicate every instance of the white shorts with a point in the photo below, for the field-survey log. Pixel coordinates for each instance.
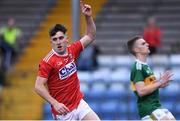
(77, 114)
(158, 114)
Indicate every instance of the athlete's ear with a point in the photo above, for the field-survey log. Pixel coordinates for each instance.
(50, 39)
(67, 39)
(135, 49)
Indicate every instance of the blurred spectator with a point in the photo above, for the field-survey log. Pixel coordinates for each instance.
(9, 43)
(2, 78)
(152, 34)
(88, 58)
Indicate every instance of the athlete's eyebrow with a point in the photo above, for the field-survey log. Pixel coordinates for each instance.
(60, 38)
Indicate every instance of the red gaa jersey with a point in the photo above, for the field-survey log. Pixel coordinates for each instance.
(61, 72)
(153, 37)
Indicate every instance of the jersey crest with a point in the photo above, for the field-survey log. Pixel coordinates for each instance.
(67, 70)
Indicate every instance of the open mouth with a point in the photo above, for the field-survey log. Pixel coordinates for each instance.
(59, 47)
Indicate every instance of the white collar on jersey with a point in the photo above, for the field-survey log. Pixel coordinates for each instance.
(141, 62)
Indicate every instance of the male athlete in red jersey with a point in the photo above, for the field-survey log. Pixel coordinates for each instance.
(58, 71)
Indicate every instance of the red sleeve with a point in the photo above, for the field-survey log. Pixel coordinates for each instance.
(77, 48)
(44, 69)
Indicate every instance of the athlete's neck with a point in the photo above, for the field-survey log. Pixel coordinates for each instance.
(64, 53)
(142, 58)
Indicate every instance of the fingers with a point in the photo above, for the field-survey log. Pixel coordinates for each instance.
(61, 108)
(166, 75)
(166, 78)
(81, 4)
(64, 110)
(168, 72)
(85, 8)
(169, 75)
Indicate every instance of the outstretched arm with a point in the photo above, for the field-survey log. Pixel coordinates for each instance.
(91, 28)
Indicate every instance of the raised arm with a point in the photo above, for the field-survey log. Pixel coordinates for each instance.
(91, 28)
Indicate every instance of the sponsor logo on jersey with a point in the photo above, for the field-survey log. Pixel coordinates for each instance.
(67, 70)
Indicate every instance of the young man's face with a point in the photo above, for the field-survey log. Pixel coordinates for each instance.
(141, 46)
(59, 42)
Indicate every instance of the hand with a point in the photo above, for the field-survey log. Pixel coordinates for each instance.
(164, 85)
(61, 108)
(165, 78)
(86, 9)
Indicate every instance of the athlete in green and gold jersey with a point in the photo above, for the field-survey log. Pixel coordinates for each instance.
(145, 85)
(146, 104)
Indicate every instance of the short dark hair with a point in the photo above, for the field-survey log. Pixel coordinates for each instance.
(131, 42)
(56, 28)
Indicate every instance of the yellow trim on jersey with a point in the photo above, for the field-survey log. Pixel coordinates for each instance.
(148, 80)
(133, 86)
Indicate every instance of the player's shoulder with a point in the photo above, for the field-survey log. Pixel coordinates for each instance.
(48, 56)
(140, 65)
(74, 43)
(137, 65)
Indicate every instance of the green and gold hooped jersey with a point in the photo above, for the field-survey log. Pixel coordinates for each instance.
(141, 72)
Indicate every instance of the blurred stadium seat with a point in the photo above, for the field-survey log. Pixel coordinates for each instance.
(95, 105)
(47, 112)
(132, 110)
(120, 74)
(159, 60)
(123, 61)
(97, 92)
(84, 87)
(176, 72)
(169, 105)
(84, 76)
(113, 110)
(116, 91)
(105, 61)
(102, 74)
(171, 92)
(175, 60)
(158, 70)
(176, 112)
